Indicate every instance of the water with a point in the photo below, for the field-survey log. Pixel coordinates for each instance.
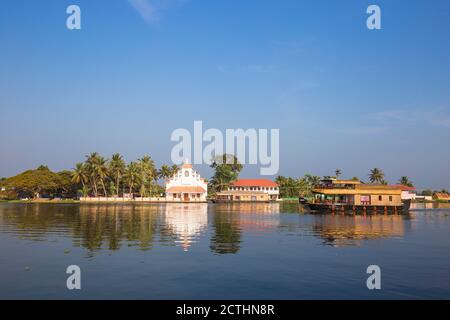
(221, 251)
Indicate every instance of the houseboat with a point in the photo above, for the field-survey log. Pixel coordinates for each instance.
(250, 190)
(350, 195)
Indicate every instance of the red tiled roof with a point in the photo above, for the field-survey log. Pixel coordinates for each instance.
(442, 195)
(185, 189)
(403, 187)
(254, 183)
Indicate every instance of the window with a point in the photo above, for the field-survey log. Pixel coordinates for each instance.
(186, 173)
(390, 198)
(380, 198)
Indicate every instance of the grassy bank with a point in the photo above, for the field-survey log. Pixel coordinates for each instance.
(40, 201)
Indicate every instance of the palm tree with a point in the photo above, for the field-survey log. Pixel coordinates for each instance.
(376, 176)
(147, 173)
(174, 169)
(337, 172)
(117, 169)
(404, 180)
(91, 159)
(165, 172)
(132, 175)
(79, 175)
(100, 169)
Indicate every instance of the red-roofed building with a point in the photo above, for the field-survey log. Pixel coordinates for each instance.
(255, 183)
(251, 190)
(442, 196)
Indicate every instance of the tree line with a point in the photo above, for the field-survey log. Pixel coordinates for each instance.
(303, 186)
(96, 176)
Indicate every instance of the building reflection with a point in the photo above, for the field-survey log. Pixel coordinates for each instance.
(346, 230)
(186, 221)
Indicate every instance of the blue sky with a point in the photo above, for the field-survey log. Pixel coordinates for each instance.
(342, 96)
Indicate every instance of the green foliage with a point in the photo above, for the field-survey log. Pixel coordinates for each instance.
(293, 188)
(227, 169)
(35, 183)
(377, 176)
(404, 180)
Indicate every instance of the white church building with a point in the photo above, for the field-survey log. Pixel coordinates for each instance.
(186, 186)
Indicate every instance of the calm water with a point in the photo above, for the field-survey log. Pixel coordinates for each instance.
(222, 251)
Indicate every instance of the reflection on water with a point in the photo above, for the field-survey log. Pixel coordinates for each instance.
(341, 230)
(186, 222)
(220, 251)
(107, 226)
(430, 205)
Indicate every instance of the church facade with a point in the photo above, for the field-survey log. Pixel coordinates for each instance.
(186, 185)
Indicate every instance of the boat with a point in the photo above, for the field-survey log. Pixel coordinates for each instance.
(333, 195)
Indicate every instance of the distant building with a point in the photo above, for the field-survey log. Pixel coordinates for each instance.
(424, 198)
(250, 190)
(441, 196)
(408, 193)
(186, 185)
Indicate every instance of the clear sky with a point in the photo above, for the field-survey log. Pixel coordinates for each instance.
(342, 96)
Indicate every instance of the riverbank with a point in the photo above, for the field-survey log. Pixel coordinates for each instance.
(62, 201)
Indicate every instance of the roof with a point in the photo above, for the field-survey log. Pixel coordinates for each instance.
(238, 192)
(186, 166)
(254, 183)
(347, 182)
(442, 195)
(366, 189)
(339, 181)
(403, 187)
(187, 189)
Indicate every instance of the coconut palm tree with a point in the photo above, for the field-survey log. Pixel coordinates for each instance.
(147, 173)
(174, 169)
(404, 180)
(376, 176)
(165, 172)
(117, 169)
(80, 175)
(91, 160)
(132, 175)
(100, 169)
